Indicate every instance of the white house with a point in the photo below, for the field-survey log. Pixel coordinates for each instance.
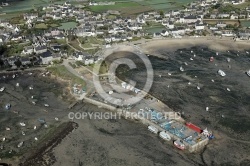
(199, 26)
(164, 33)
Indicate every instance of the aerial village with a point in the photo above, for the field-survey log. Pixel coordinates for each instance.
(51, 44)
(29, 47)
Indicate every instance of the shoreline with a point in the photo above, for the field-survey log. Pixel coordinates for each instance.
(153, 46)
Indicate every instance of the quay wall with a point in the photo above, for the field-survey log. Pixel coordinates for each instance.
(128, 115)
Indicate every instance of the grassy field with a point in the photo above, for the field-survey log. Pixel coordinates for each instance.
(62, 72)
(41, 26)
(75, 44)
(153, 28)
(117, 6)
(67, 25)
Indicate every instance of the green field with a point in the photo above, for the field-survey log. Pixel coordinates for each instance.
(117, 6)
(245, 23)
(67, 25)
(62, 72)
(26, 5)
(155, 4)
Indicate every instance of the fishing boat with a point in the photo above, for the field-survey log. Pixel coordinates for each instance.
(248, 73)
(179, 144)
(221, 73)
(211, 59)
(153, 129)
(165, 136)
(181, 68)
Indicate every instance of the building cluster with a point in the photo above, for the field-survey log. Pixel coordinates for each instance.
(112, 27)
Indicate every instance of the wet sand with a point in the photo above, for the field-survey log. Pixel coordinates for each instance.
(228, 115)
(125, 142)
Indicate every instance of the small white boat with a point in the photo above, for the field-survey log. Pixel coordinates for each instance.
(181, 68)
(17, 84)
(36, 139)
(198, 87)
(23, 133)
(34, 127)
(189, 83)
(247, 52)
(13, 76)
(228, 90)
(165, 136)
(153, 129)
(217, 53)
(56, 119)
(46, 105)
(221, 73)
(7, 128)
(20, 144)
(2, 89)
(191, 51)
(228, 59)
(248, 73)
(207, 108)
(212, 80)
(31, 87)
(169, 74)
(160, 76)
(194, 55)
(3, 139)
(186, 63)
(22, 124)
(191, 59)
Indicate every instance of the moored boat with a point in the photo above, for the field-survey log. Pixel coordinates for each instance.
(165, 136)
(221, 73)
(179, 144)
(153, 129)
(248, 73)
(181, 68)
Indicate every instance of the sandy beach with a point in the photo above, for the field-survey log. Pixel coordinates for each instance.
(224, 44)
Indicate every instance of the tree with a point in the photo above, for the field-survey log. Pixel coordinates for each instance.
(161, 13)
(18, 63)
